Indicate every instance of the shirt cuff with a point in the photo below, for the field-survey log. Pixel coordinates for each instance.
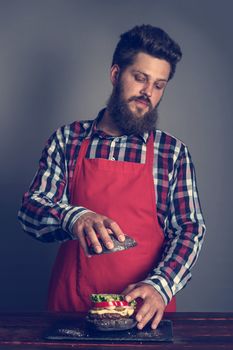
(162, 287)
(72, 214)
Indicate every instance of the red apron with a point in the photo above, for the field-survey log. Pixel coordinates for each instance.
(124, 192)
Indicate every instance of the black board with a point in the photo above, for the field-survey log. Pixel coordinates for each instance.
(80, 331)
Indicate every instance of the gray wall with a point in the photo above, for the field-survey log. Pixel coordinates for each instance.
(54, 68)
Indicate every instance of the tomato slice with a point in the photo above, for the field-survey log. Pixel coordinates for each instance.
(110, 303)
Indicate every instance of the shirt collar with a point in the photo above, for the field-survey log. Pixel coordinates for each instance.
(94, 130)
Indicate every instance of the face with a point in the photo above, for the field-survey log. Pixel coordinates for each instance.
(137, 92)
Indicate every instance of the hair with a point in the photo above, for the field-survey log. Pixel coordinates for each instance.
(150, 40)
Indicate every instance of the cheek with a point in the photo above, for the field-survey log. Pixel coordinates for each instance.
(129, 91)
(130, 88)
(156, 98)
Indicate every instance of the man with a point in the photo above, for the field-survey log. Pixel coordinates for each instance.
(119, 174)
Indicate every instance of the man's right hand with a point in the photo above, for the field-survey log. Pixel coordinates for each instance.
(90, 225)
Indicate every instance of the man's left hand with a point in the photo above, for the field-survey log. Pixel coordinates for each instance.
(153, 305)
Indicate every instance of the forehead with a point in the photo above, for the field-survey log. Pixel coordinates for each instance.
(154, 67)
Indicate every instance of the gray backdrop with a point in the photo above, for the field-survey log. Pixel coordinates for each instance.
(54, 68)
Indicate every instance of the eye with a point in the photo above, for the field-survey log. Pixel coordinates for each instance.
(140, 77)
(160, 86)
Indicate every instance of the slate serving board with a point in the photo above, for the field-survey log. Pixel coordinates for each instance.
(80, 331)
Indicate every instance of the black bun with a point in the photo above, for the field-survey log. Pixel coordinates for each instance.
(119, 324)
(117, 246)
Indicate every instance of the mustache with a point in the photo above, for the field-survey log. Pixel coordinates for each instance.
(143, 98)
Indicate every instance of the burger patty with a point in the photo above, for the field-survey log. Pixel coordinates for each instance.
(109, 316)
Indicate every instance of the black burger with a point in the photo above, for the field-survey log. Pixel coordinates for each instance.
(111, 312)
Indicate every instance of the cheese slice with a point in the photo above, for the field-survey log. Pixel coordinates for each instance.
(124, 312)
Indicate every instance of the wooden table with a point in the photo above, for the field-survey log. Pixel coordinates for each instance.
(191, 331)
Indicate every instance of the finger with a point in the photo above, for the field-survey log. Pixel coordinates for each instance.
(79, 233)
(143, 320)
(157, 319)
(143, 311)
(103, 233)
(115, 228)
(135, 293)
(90, 233)
(146, 313)
(83, 243)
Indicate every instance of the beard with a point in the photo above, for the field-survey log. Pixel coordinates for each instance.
(129, 122)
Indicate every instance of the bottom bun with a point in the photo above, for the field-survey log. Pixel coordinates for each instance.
(119, 324)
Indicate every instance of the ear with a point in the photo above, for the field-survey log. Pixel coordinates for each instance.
(114, 74)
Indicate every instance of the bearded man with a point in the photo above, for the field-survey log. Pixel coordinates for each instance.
(119, 174)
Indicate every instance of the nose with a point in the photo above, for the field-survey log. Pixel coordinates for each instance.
(147, 89)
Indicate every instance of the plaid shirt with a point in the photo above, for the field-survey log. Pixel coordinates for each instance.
(46, 213)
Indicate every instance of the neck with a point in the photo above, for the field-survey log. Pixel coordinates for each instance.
(107, 125)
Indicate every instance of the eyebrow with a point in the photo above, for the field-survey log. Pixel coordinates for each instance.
(148, 76)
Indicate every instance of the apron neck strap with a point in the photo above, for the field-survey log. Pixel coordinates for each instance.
(150, 150)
